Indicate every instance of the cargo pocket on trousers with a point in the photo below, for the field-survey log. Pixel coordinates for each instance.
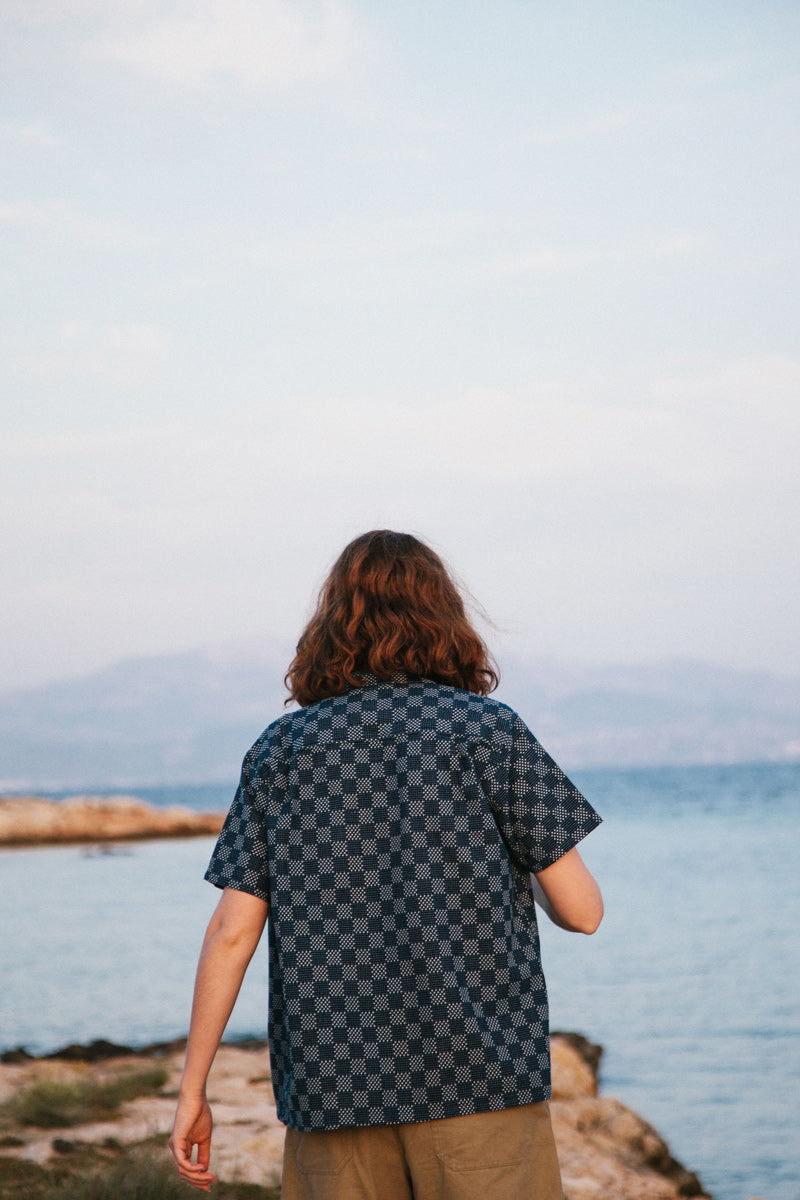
(324, 1152)
(481, 1141)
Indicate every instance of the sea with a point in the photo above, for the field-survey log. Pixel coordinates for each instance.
(691, 984)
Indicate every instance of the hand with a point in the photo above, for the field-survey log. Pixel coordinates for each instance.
(192, 1127)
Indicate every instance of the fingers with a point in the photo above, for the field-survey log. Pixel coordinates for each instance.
(204, 1153)
(197, 1174)
(193, 1127)
(201, 1180)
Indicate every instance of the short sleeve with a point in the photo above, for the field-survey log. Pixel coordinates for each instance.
(239, 860)
(542, 814)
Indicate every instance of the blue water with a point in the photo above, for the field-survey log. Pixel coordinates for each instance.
(691, 984)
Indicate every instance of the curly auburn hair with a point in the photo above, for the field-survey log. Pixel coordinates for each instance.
(388, 605)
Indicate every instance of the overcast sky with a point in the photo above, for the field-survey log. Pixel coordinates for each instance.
(521, 277)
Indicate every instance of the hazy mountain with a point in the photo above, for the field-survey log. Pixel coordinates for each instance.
(188, 718)
(671, 712)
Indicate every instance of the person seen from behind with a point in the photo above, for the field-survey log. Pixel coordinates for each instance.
(397, 829)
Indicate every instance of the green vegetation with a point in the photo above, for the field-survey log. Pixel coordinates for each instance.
(58, 1103)
(139, 1175)
(80, 1170)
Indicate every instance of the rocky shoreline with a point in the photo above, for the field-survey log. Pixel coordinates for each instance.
(35, 821)
(606, 1150)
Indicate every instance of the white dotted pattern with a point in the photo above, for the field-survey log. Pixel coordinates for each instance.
(392, 830)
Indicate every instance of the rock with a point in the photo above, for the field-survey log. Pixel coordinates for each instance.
(605, 1149)
(590, 1052)
(14, 1057)
(95, 1051)
(573, 1076)
(62, 1146)
(32, 820)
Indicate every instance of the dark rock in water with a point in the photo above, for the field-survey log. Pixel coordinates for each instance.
(162, 1049)
(101, 1049)
(13, 1058)
(104, 850)
(95, 1052)
(247, 1043)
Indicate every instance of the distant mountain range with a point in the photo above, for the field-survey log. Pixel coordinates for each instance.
(189, 718)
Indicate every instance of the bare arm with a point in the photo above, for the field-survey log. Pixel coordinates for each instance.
(231, 938)
(568, 892)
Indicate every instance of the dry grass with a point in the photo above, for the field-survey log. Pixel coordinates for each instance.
(60, 1103)
(141, 1174)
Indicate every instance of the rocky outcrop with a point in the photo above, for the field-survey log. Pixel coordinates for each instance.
(32, 821)
(606, 1150)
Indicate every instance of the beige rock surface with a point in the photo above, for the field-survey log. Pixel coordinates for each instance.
(607, 1152)
(31, 820)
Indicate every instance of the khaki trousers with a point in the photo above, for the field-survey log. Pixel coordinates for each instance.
(507, 1155)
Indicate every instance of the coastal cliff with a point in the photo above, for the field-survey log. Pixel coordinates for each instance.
(606, 1150)
(34, 821)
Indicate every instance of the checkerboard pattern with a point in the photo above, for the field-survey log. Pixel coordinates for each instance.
(392, 831)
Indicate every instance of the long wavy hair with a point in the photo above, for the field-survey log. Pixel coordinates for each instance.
(388, 605)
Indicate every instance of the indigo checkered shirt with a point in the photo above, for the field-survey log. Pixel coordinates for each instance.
(392, 831)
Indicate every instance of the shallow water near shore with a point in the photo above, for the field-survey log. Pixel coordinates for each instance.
(690, 984)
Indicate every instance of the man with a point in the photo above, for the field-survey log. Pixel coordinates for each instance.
(396, 829)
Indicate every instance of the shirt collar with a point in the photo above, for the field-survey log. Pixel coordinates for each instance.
(370, 679)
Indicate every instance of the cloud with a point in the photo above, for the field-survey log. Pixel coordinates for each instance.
(580, 131)
(259, 44)
(33, 135)
(696, 434)
(557, 260)
(61, 219)
(120, 355)
(739, 423)
(767, 386)
(659, 516)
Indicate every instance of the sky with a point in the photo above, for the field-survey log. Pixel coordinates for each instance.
(519, 277)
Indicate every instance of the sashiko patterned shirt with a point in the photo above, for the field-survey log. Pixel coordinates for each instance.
(392, 831)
